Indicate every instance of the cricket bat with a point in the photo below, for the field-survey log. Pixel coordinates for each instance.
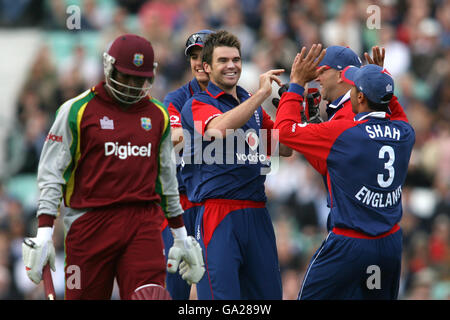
(151, 292)
(48, 283)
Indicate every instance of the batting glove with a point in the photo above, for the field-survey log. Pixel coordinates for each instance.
(281, 90)
(36, 252)
(192, 267)
(311, 103)
(185, 253)
(310, 112)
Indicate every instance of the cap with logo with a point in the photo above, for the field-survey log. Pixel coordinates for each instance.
(339, 57)
(133, 55)
(196, 39)
(375, 82)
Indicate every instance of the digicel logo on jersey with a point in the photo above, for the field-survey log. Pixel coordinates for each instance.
(53, 137)
(125, 151)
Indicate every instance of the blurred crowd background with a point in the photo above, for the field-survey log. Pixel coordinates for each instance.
(64, 62)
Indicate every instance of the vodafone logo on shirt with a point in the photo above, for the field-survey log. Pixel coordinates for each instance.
(128, 150)
(175, 120)
(252, 140)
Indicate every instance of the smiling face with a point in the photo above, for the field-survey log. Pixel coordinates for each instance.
(225, 68)
(195, 58)
(329, 80)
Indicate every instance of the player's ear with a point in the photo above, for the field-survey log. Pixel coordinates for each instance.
(339, 80)
(361, 97)
(206, 67)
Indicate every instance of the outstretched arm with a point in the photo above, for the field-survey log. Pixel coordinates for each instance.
(238, 116)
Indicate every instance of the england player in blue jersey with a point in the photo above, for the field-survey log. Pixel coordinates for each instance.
(364, 163)
(174, 101)
(333, 89)
(224, 167)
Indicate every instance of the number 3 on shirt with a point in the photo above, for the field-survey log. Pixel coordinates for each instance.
(387, 165)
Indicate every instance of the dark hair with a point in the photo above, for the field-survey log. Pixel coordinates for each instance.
(378, 106)
(220, 38)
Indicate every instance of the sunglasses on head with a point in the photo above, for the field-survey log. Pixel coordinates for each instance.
(196, 38)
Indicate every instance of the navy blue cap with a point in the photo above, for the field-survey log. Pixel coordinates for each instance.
(339, 57)
(375, 82)
(196, 39)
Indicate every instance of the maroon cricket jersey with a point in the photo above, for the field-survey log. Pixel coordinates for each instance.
(103, 153)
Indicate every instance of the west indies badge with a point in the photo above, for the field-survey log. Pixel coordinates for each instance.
(146, 124)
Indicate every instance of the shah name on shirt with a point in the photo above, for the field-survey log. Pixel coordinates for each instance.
(377, 131)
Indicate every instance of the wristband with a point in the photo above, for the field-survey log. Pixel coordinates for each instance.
(296, 88)
(46, 220)
(45, 233)
(179, 233)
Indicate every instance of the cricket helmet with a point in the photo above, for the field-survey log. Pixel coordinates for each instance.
(196, 39)
(132, 55)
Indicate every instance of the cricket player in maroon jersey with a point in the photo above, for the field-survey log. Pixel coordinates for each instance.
(111, 163)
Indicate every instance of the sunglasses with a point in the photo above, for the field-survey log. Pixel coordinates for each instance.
(196, 39)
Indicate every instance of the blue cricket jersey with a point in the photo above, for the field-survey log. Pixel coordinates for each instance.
(364, 162)
(174, 102)
(228, 168)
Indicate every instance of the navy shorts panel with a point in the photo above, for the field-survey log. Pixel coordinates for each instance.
(346, 268)
(241, 258)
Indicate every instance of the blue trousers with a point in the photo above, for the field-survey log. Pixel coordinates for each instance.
(241, 259)
(346, 267)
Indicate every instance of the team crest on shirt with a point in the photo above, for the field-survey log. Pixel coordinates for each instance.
(106, 123)
(138, 59)
(146, 123)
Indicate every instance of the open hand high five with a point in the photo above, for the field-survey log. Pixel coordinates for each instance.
(304, 68)
(377, 56)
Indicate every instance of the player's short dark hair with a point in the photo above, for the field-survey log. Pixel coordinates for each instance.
(220, 38)
(378, 106)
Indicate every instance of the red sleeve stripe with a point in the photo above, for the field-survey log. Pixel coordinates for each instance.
(267, 122)
(397, 112)
(202, 114)
(314, 141)
(329, 189)
(175, 117)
